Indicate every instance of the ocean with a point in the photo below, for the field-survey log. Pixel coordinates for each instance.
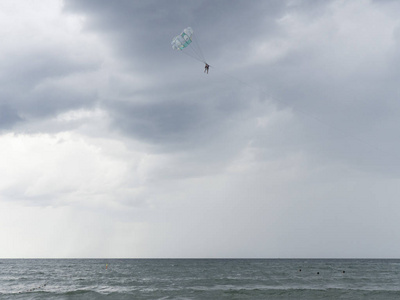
(199, 279)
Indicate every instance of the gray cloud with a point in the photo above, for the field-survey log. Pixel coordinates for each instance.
(140, 33)
(8, 117)
(25, 92)
(339, 94)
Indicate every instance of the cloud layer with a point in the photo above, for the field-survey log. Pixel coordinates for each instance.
(115, 145)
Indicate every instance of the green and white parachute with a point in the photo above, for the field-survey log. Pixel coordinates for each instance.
(183, 42)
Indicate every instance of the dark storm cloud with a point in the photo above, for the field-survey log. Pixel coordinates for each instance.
(180, 121)
(160, 122)
(24, 94)
(145, 29)
(29, 69)
(340, 90)
(187, 109)
(8, 117)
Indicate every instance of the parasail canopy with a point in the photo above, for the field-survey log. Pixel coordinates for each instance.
(183, 42)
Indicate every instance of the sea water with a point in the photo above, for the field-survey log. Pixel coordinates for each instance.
(199, 279)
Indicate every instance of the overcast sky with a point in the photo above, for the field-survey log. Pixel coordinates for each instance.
(112, 144)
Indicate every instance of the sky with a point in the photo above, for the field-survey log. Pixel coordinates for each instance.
(115, 145)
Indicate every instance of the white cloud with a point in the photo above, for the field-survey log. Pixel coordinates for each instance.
(27, 27)
(57, 169)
